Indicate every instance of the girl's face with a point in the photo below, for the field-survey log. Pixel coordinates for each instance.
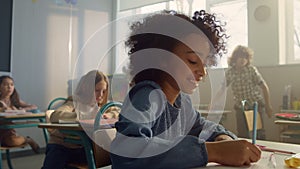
(241, 62)
(100, 91)
(7, 87)
(193, 55)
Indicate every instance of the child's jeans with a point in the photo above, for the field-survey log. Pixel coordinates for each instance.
(58, 156)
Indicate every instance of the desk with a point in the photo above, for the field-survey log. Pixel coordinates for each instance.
(263, 162)
(23, 120)
(290, 111)
(215, 115)
(82, 133)
(287, 122)
(288, 129)
(76, 130)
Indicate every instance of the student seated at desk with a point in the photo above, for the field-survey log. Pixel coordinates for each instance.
(91, 93)
(158, 126)
(10, 100)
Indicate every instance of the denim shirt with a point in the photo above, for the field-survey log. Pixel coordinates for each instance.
(154, 134)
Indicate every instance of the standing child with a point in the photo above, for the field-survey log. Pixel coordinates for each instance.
(246, 84)
(10, 100)
(158, 126)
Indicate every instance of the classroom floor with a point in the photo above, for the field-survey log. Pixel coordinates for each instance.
(30, 162)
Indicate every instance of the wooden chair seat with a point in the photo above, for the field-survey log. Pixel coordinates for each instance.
(11, 147)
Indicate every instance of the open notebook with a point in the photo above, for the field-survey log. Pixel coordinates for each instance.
(14, 112)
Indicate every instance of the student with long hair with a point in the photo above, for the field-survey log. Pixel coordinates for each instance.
(10, 100)
(90, 94)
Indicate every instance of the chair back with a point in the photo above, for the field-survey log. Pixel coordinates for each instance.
(55, 103)
(103, 137)
(102, 110)
(249, 117)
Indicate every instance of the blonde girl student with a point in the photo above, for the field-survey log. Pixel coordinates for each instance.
(90, 94)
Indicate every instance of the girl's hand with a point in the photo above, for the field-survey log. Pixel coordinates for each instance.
(110, 115)
(233, 153)
(223, 137)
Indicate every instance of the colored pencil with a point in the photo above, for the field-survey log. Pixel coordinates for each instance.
(254, 131)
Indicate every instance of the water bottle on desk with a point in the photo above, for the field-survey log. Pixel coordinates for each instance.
(286, 99)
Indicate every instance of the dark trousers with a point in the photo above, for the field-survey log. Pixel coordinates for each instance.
(57, 156)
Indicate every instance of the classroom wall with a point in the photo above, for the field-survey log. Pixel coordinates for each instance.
(54, 42)
(263, 35)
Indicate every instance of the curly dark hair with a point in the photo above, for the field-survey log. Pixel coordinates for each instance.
(164, 30)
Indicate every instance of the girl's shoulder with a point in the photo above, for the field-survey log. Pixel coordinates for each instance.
(144, 87)
(144, 94)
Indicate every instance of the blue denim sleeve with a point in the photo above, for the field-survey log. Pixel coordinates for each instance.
(208, 130)
(189, 152)
(135, 146)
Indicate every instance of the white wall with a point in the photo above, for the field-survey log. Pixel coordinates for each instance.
(263, 35)
(41, 62)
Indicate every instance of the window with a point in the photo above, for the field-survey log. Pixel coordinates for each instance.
(232, 11)
(296, 57)
(291, 32)
(125, 17)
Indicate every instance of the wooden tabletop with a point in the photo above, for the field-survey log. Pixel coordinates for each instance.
(73, 126)
(289, 111)
(288, 122)
(214, 112)
(264, 162)
(83, 124)
(21, 115)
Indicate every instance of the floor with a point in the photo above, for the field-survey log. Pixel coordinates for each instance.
(29, 162)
